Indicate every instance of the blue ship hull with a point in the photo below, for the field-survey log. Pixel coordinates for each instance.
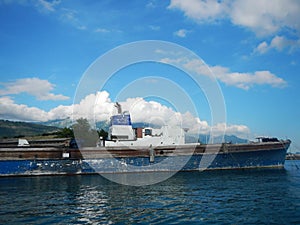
(197, 161)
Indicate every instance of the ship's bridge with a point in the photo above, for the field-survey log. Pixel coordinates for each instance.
(121, 119)
(121, 127)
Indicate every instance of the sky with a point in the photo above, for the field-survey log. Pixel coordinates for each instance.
(243, 77)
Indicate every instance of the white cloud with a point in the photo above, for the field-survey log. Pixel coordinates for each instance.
(47, 6)
(247, 80)
(151, 4)
(55, 8)
(99, 107)
(238, 130)
(155, 28)
(263, 17)
(181, 33)
(12, 111)
(101, 30)
(94, 107)
(266, 17)
(278, 43)
(262, 48)
(71, 16)
(33, 86)
(201, 11)
(223, 74)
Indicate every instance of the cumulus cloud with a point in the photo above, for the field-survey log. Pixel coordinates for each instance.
(239, 130)
(12, 111)
(278, 43)
(247, 80)
(201, 11)
(41, 89)
(262, 17)
(94, 106)
(265, 18)
(99, 107)
(223, 74)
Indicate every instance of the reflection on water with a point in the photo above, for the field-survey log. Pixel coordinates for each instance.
(234, 197)
(91, 204)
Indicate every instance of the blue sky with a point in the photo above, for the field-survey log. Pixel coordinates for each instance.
(252, 48)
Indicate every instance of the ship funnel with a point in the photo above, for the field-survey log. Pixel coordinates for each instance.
(119, 108)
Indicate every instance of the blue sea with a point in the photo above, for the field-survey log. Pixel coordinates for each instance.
(257, 196)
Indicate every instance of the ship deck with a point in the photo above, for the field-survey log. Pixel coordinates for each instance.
(62, 152)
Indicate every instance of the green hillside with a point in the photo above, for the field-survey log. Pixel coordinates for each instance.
(9, 129)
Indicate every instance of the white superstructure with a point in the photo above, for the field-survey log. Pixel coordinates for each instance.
(121, 133)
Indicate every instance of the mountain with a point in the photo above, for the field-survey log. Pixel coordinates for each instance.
(18, 129)
(67, 122)
(15, 129)
(61, 123)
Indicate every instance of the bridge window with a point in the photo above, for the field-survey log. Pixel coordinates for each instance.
(148, 132)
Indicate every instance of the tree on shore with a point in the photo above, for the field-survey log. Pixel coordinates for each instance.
(65, 133)
(103, 133)
(85, 136)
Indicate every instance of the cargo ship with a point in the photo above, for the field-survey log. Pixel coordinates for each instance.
(136, 150)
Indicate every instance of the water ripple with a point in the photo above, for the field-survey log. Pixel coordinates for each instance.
(215, 197)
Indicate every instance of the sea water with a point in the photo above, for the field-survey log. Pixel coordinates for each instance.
(256, 196)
